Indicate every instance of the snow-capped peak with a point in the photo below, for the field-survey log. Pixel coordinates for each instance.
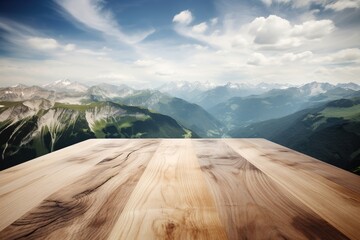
(65, 85)
(232, 85)
(350, 85)
(186, 86)
(64, 82)
(19, 86)
(315, 88)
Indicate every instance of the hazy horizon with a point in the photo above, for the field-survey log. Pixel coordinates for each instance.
(151, 42)
(175, 84)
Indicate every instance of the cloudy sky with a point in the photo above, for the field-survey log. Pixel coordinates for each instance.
(149, 42)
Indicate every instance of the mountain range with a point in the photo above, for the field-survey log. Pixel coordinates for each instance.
(190, 115)
(35, 127)
(208, 95)
(36, 120)
(240, 111)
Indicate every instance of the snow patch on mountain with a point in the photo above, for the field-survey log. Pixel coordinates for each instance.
(315, 88)
(105, 91)
(55, 121)
(101, 113)
(66, 86)
(350, 85)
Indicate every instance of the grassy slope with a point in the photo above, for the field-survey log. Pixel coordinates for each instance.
(134, 122)
(330, 133)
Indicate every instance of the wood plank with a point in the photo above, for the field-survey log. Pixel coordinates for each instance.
(171, 200)
(89, 207)
(309, 165)
(23, 189)
(250, 204)
(178, 189)
(331, 204)
(50, 173)
(15, 177)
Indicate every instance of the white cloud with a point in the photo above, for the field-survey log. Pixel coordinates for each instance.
(90, 52)
(43, 43)
(258, 59)
(338, 74)
(350, 55)
(193, 47)
(157, 67)
(279, 32)
(292, 57)
(336, 5)
(52, 46)
(295, 3)
(272, 32)
(200, 28)
(91, 13)
(269, 30)
(343, 4)
(269, 2)
(69, 47)
(164, 72)
(145, 62)
(16, 29)
(114, 76)
(313, 29)
(303, 3)
(24, 36)
(230, 47)
(185, 17)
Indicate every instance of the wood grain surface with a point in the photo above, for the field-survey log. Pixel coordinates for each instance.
(178, 189)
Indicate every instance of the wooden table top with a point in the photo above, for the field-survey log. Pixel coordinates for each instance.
(178, 189)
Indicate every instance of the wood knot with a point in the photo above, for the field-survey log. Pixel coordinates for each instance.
(170, 228)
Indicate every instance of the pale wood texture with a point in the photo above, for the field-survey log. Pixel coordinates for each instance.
(178, 189)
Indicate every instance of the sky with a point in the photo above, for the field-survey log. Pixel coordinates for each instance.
(146, 43)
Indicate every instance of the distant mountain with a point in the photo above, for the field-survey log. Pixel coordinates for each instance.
(330, 132)
(219, 94)
(23, 92)
(105, 91)
(189, 115)
(239, 111)
(186, 90)
(315, 88)
(29, 129)
(66, 86)
(351, 86)
(209, 94)
(333, 94)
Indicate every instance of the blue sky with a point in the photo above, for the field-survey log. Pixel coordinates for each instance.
(146, 43)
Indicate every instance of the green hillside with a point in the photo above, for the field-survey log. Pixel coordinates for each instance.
(33, 128)
(330, 133)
